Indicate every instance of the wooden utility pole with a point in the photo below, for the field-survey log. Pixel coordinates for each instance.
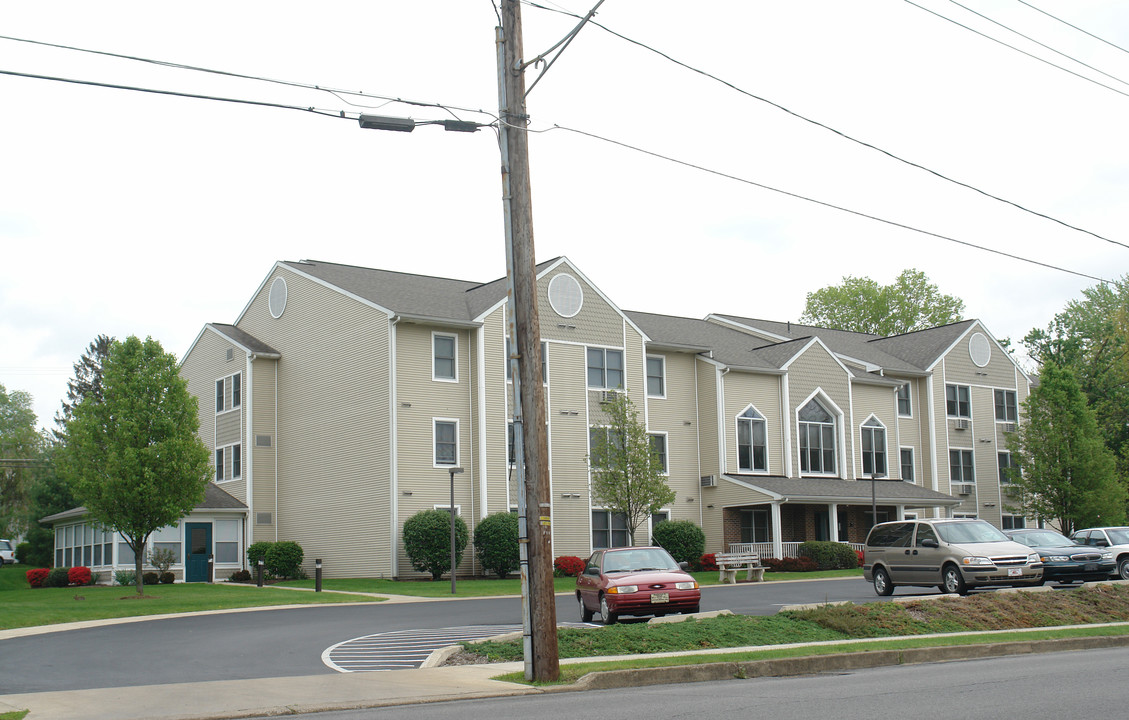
(542, 663)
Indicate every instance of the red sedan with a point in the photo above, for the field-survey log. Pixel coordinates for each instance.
(635, 581)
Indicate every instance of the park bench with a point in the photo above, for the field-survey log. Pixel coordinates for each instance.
(729, 563)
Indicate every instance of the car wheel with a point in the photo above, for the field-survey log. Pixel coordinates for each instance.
(1123, 568)
(585, 613)
(691, 611)
(608, 616)
(953, 581)
(882, 584)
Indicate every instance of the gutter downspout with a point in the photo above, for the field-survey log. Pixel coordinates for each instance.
(721, 459)
(393, 474)
(483, 474)
(932, 441)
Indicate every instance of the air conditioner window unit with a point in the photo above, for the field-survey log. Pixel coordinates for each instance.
(709, 480)
(963, 424)
(609, 396)
(962, 488)
(1008, 427)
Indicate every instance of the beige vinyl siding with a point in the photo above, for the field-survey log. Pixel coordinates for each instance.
(708, 400)
(913, 431)
(727, 494)
(959, 368)
(422, 402)
(333, 426)
(262, 460)
(635, 368)
(497, 415)
(206, 363)
(763, 392)
(597, 323)
(676, 415)
(816, 370)
(878, 401)
(568, 447)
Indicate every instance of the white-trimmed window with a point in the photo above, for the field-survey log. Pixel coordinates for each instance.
(609, 529)
(446, 442)
(1003, 461)
(817, 439)
(958, 401)
(229, 462)
(1007, 409)
(236, 390)
(873, 448)
(168, 538)
(219, 396)
(83, 544)
(444, 354)
(1013, 522)
(229, 393)
(605, 369)
(599, 436)
(908, 473)
(656, 376)
(752, 441)
(658, 448)
(961, 467)
(905, 407)
(226, 541)
(544, 362)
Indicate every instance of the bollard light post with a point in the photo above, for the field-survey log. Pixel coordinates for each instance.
(317, 575)
(259, 573)
(211, 568)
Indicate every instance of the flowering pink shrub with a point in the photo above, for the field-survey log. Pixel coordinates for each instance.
(708, 562)
(79, 575)
(568, 565)
(36, 577)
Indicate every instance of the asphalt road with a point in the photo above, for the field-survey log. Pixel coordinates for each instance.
(283, 643)
(1066, 685)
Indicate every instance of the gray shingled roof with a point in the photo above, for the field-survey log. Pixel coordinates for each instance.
(731, 347)
(888, 492)
(245, 339)
(215, 498)
(911, 352)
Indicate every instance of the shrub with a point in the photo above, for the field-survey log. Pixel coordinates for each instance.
(683, 539)
(167, 578)
(150, 578)
(125, 577)
(284, 559)
(495, 543)
(568, 566)
(36, 577)
(162, 559)
(427, 541)
(830, 555)
(57, 577)
(707, 562)
(257, 551)
(23, 553)
(800, 564)
(78, 576)
(862, 557)
(241, 576)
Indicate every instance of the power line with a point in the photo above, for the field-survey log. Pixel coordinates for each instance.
(1085, 32)
(840, 133)
(825, 203)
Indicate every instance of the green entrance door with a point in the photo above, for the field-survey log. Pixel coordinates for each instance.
(198, 546)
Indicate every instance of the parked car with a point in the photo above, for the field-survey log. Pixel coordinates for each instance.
(7, 552)
(1114, 539)
(953, 554)
(1065, 561)
(635, 581)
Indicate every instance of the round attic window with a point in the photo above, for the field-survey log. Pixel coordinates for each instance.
(979, 349)
(565, 295)
(276, 301)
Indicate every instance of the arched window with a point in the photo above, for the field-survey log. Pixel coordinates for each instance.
(873, 448)
(817, 439)
(752, 444)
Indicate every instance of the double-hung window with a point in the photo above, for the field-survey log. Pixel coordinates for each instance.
(656, 376)
(544, 362)
(1007, 410)
(961, 467)
(817, 439)
(752, 444)
(236, 392)
(958, 401)
(603, 443)
(905, 408)
(658, 449)
(907, 464)
(1003, 460)
(219, 395)
(873, 448)
(609, 529)
(443, 352)
(605, 369)
(446, 443)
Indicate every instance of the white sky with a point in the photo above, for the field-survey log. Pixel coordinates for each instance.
(129, 213)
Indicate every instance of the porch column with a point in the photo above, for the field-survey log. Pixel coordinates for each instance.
(777, 541)
(833, 518)
(901, 510)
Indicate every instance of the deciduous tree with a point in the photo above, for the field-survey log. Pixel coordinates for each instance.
(910, 303)
(627, 473)
(132, 456)
(1066, 473)
(21, 449)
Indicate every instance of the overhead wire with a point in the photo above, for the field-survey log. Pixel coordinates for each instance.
(824, 203)
(840, 133)
(1084, 32)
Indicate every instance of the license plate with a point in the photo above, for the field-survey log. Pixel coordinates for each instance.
(1091, 567)
(1015, 572)
(660, 597)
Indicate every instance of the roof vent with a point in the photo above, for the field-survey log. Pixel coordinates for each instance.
(566, 297)
(979, 349)
(276, 301)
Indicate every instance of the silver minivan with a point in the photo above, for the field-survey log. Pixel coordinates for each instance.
(952, 554)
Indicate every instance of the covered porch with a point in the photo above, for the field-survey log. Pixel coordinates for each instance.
(782, 512)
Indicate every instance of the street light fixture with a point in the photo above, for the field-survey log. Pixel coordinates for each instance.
(454, 471)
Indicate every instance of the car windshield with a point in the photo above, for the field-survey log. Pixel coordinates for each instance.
(1118, 536)
(638, 560)
(969, 532)
(1042, 538)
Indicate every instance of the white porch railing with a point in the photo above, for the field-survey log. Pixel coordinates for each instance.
(765, 550)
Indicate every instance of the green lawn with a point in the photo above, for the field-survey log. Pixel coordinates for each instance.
(20, 606)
